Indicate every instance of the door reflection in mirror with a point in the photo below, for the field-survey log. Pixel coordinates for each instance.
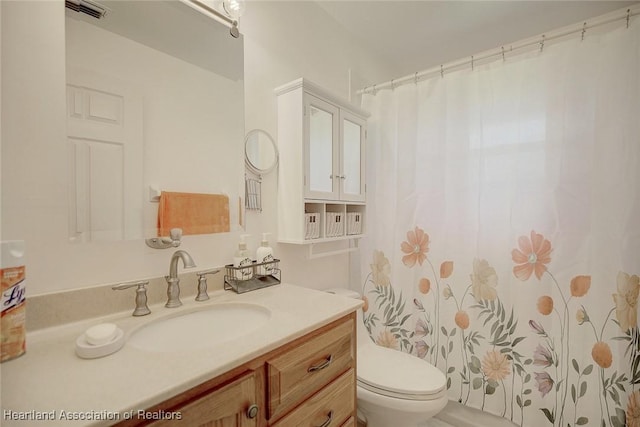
(155, 98)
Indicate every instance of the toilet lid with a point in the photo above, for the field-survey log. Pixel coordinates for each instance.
(396, 374)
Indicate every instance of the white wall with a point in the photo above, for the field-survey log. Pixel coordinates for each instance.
(34, 199)
(283, 41)
(34, 167)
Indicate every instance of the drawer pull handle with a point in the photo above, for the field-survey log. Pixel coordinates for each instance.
(321, 366)
(328, 420)
(252, 411)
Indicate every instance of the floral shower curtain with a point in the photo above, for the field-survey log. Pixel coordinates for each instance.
(504, 235)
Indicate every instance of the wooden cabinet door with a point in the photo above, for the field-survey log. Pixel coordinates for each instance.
(227, 406)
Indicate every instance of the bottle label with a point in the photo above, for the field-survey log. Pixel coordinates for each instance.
(267, 268)
(12, 323)
(245, 273)
(13, 296)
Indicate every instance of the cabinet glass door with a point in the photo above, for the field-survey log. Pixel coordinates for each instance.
(322, 153)
(352, 176)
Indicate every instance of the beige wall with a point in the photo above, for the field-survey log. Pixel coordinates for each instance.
(34, 167)
(283, 41)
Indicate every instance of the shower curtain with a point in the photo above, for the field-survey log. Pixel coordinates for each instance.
(503, 241)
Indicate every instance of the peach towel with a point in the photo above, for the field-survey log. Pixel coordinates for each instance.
(193, 212)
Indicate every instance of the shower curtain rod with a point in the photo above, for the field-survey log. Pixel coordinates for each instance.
(497, 52)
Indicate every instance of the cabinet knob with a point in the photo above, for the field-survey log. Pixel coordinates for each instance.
(252, 411)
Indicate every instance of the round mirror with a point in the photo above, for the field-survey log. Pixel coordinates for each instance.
(260, 152)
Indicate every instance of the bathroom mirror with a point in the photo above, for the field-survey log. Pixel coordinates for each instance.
(261, 152)
(155, 96)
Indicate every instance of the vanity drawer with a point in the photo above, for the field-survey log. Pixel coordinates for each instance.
(306, 368)
(351, 422)
(334, 405)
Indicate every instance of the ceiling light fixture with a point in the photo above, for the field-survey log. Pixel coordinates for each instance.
(234, 9)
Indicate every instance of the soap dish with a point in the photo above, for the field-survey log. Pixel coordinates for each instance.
(85, 350)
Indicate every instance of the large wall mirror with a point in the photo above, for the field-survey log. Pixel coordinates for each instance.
(155, 99)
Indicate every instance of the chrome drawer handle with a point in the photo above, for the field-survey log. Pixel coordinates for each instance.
(322, 365)
(328, 420)
(252, 411)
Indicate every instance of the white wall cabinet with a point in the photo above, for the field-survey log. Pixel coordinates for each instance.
(321, 187)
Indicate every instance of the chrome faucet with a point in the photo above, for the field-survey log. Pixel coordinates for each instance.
(173, 282)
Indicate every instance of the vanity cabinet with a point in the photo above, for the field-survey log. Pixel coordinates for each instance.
(321, 141)
(308, 382)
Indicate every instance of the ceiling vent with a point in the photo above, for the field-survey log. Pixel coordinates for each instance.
(87, 7)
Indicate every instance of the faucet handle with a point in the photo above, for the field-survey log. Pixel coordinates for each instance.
(202, 283)
(209, 271)
(142, 308)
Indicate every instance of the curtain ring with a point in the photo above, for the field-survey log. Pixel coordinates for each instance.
(374, 90)
(415, 78)
(542, 43)
(502, 53)
(628, 16)
(471, 62)
(584, 30)
(392, 86)
(441, 71)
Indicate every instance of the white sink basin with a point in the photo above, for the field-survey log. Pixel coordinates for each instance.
(204, 328)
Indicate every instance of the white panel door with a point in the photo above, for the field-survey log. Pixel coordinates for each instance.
(104, 129)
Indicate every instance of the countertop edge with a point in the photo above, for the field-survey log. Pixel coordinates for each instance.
(49, 379)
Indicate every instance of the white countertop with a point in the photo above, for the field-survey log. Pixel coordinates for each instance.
(50, 380)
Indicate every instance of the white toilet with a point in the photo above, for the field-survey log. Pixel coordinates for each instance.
(394, 389)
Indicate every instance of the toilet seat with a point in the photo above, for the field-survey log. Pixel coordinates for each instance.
(403, 376)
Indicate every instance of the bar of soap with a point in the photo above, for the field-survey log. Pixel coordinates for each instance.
(101, 334)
